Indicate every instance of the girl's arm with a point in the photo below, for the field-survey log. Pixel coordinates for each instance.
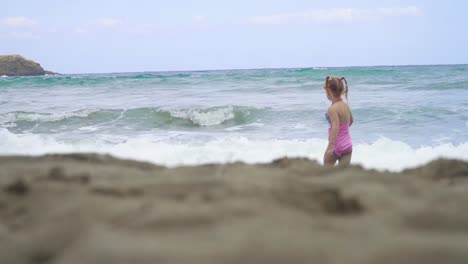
(335, 126)
(351, 120)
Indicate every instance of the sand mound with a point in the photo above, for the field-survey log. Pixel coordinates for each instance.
(84, 208)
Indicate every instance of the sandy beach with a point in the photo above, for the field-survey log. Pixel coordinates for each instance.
(205, 132)
(87, 208)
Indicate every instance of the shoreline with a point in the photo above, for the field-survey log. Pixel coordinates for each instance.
(91, 208)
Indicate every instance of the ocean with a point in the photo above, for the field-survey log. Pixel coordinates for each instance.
(404, 116)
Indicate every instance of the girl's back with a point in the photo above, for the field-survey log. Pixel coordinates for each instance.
(344, 112)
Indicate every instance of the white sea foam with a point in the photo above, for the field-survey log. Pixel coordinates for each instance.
(88, 128)
(238, 128)
(9, 119)
(206, 117)
(299, 126)
(383, 154)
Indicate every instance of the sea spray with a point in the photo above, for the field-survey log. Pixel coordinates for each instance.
(383, 154)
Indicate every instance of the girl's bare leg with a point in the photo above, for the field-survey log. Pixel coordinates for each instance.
(345, 160)
(329, 159)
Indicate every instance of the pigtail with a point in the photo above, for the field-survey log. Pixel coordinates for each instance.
(343, 79)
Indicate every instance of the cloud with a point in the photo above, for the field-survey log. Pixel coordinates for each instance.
(103, 23)
(335, 15)
(403, 11)
(199, 19)
(109, 22)
(19, 21)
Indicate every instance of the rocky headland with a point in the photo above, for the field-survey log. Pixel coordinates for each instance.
(17, 65)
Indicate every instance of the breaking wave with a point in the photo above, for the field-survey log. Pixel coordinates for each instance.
(383, 154)
(152, 117)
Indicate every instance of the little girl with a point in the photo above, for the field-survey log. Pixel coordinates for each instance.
(340, 118)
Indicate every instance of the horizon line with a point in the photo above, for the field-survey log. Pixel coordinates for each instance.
(272, 68)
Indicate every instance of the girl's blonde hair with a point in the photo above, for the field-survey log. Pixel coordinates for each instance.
(337, 85)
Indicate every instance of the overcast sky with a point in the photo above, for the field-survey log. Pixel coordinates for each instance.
(142, 35)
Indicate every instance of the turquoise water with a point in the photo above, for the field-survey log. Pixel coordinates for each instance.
(173, 118)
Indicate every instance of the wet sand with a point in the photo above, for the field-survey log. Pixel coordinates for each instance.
(85, 208)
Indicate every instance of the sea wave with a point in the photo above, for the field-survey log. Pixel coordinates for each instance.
(195, 116)
(383, 154)
(88, 80)
(12, 117)
(443, 85)
(210, 117)
(153, 117)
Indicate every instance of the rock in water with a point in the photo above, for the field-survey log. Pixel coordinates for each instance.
(16, 65)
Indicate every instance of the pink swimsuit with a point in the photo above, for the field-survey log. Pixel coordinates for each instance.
(343, 144)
